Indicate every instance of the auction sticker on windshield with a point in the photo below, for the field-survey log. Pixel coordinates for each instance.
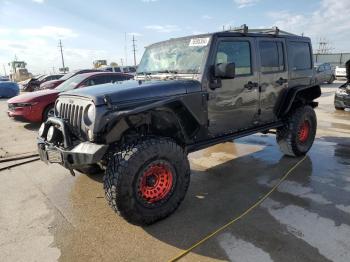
(199, 41)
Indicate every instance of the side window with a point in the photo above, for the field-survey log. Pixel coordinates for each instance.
(117, 69)
(300, 55)
(237, 52)
(271, 56)
(117, 78)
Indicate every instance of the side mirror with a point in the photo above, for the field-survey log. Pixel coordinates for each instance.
(225, 70)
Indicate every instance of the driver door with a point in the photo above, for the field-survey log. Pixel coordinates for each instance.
(234, 106)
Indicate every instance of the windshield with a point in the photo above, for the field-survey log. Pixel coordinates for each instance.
(71, 83)
(67, 76)
(175, 56)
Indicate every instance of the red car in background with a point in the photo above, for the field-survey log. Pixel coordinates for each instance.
(38, 106)
(54, 83)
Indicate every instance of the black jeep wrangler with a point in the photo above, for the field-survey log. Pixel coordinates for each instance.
(189, 93)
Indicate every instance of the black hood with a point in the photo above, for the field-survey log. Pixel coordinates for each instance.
(135, 90)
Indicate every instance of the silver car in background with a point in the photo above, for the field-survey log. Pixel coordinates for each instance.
(324, 73)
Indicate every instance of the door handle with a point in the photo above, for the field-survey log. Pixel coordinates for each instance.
(250, 85)
(281, 81)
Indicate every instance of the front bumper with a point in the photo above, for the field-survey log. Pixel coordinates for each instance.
(28, 113)
(69, 156)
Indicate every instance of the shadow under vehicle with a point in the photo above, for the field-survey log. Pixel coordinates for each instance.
(140, 132)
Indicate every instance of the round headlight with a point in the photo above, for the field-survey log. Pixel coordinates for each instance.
(50, 133)
(58, 108)
(89, 115)
(41, 130)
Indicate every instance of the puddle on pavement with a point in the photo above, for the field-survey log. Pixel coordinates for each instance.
(226, 180)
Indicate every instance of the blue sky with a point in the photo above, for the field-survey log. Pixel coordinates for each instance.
(93, 30)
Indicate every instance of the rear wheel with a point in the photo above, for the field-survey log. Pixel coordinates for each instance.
(296, 137)
(147, 181)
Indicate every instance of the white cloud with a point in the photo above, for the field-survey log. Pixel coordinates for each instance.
(207, 17)
(330, 20)
(49, 32)
(39, 1)
(246, 3)
(163, 28)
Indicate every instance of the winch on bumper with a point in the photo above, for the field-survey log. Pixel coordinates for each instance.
(69, 155)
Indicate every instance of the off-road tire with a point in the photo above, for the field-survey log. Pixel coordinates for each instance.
(126, 167)
(47, 111)
(91, 170)
(289, 136)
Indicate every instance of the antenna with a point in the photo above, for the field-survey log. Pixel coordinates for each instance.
(134, 48)
(60, 46)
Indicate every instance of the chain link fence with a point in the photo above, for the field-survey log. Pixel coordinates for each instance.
(337, 59)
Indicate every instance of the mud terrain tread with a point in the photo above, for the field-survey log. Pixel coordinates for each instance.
(287, 135)
(122, 170)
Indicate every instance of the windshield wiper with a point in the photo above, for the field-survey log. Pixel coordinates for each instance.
(167, 71)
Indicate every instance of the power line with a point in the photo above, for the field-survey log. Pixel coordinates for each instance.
(134, 48)
(324, 47)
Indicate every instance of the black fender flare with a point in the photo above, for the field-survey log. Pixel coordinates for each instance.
(297, 94)
(122, 119)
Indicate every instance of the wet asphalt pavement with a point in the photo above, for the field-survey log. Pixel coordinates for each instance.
(48, 215)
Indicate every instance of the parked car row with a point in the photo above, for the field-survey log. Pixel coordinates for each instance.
(38, 106)
(33, 84)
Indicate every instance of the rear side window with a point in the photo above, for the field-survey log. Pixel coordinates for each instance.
(117, 78)
(271, 56)
(300, 55)
(237, 52)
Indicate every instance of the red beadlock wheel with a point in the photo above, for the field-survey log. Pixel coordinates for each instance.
(156, 182)
(304, 131)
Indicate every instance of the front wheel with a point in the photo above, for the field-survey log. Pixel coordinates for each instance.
(330, 81)
(296, 137)
(146, 181)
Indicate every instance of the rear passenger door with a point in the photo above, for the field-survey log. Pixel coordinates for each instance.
(273, 75)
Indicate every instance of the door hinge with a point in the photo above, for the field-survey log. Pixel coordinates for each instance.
(208, 122)
(259, 89)
(259, 111)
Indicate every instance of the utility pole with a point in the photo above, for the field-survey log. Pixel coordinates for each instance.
(134, 48)
(60, 46)
(121, 62)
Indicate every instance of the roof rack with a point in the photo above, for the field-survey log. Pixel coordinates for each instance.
(273, 31)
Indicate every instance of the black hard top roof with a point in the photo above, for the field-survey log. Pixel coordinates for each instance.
(245, 32)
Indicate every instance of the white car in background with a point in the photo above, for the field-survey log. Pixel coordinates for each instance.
(340, 72)
(131, 70)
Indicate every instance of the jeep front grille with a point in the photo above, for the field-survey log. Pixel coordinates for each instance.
(73, 114)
